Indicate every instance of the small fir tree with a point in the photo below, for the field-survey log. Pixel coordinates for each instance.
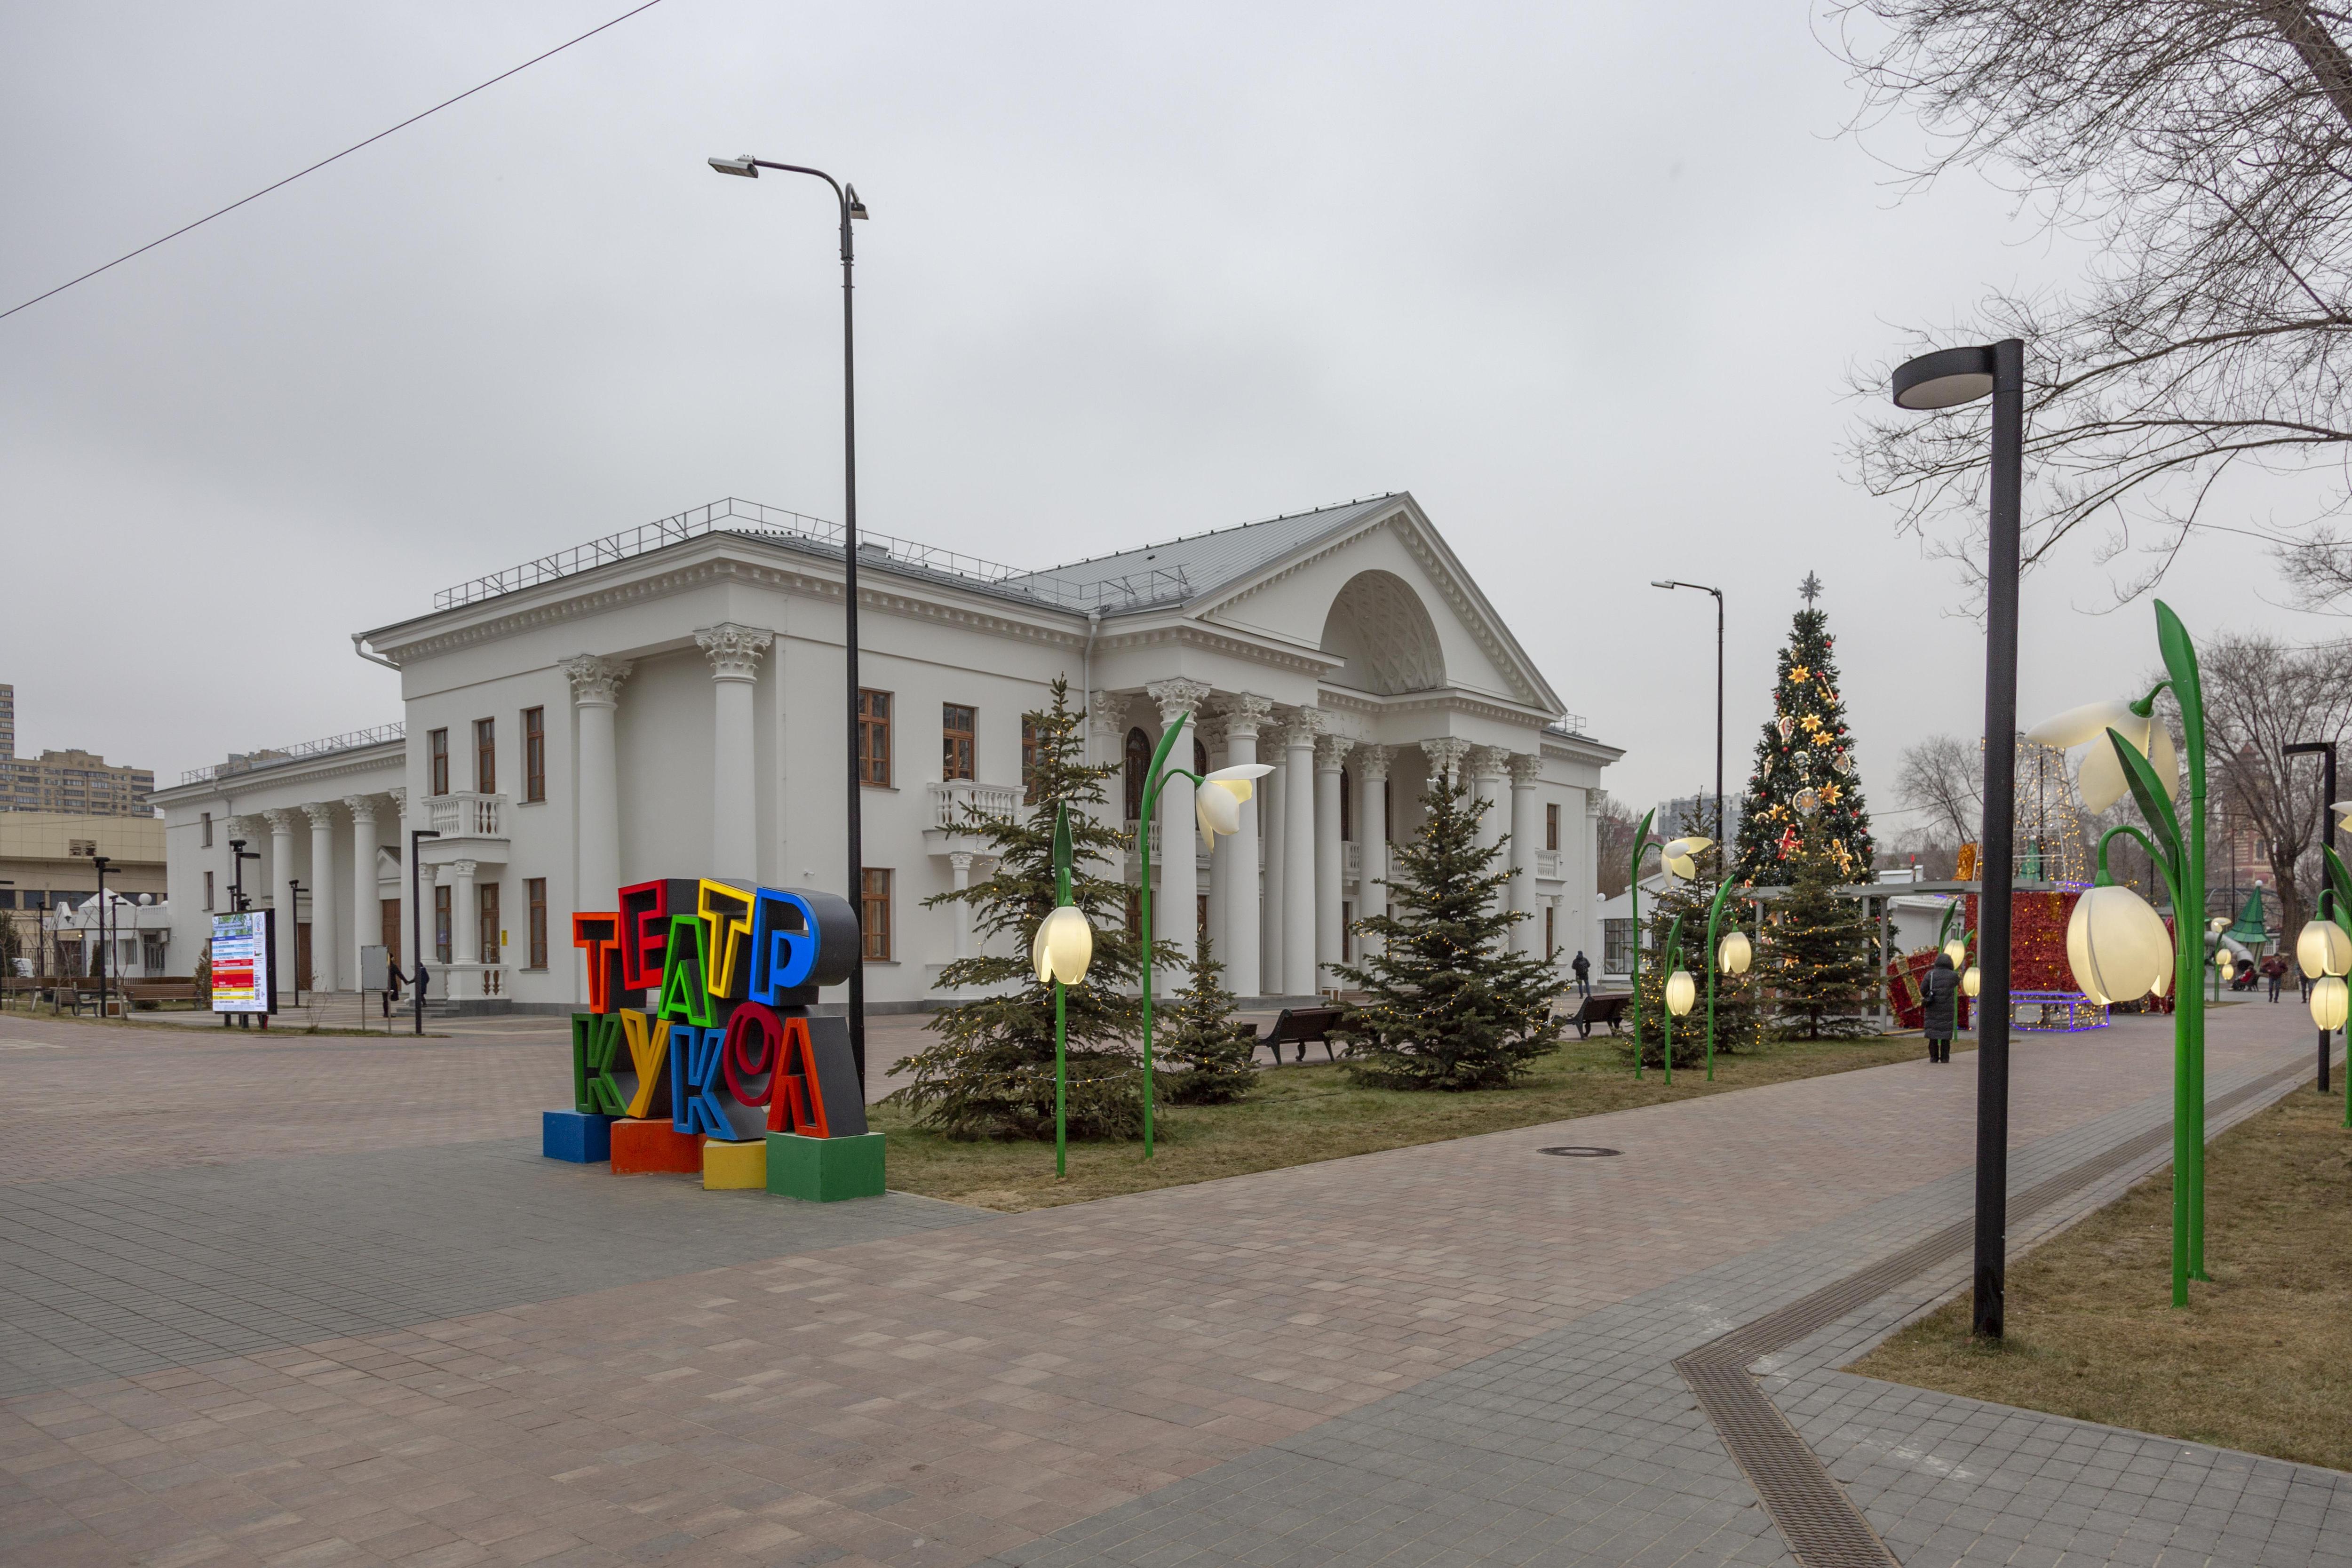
(1739, 1011)
(990, 1074)
(1448, 1005)
(1201, 1035)
(1818, 951)
(1806, 782)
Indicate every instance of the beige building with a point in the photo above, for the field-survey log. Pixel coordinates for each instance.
(72, 782)
(45, 861)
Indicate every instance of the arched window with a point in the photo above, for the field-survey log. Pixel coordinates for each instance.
(1347, 806)
(1139, 764)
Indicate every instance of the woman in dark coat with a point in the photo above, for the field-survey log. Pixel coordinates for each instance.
(1940, 1007)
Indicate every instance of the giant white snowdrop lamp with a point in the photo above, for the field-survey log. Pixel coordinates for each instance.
(1219, 800)
(1682, 993)
(1957, 950)
(2324, 948)
(1736, 953)
(2329, 998)
(1971, 981)
(2116, 944)
(1063, 948)
(1678, 856)
(2101, 779)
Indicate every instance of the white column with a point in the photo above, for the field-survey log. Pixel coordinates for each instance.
(326, 938)
(1239, 940)
(1298, 853)
(465, 915)
(959, 867)
(1586, 883)
(409, 946)
(1527, 936)
(367, 916)
(1212, 740)
(1487, 766)
(596, 699)
(1109, 725)
(1273, 792)
(1330, 855)
(281, 893)
(1373, 834)
(734, 653)
(1175, 908)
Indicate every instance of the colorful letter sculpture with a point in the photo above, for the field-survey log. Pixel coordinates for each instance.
(728, 1056)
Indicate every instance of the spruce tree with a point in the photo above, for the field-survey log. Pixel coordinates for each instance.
(1806, 781)
(1199, 1035)
(990, 1074)
(1818, 951)
(1448, 1005)
(1738, 1008)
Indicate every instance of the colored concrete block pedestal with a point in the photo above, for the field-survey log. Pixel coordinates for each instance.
(734, 1167)
(569, 1135)
(643, 1148)
(824, 1170)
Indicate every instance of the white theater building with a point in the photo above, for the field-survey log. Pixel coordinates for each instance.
(672, 702)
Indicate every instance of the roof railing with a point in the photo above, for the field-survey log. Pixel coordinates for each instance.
(247, 761)
(799, 531)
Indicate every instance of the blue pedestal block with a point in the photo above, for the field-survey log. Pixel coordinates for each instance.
(569, 1135)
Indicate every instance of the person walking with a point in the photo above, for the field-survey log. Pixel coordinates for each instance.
(1582, 967)
(2274, 971)
(1940, 1007)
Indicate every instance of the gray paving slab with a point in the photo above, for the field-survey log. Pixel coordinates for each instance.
(116, 1274)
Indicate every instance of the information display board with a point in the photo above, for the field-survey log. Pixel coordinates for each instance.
(242, 949)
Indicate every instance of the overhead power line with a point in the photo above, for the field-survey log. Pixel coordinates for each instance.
(322, 163)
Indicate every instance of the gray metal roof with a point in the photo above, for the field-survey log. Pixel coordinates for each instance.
(1207, 562)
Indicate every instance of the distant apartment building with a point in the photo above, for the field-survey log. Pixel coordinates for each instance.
(74, 783)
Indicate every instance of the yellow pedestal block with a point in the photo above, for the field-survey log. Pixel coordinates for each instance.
(727, 1167)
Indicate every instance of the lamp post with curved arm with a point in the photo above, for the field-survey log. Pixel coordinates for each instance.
(846, 196)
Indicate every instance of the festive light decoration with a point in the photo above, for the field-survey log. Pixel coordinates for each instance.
(2329, 1000)
(1971, 981)
(1957, 950)
(1677, 854)
(1682, 993)
(2116, 944)
(1804, 784)
(1218, 805)
(1062, 947)
(2323, 948)
(1736, 953)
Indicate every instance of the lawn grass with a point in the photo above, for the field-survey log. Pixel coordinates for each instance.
(2261, 1359)
(1299, 1115)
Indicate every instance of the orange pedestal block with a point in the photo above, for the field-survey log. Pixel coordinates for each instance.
(642, 1148)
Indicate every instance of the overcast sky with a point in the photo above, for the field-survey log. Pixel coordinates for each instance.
(1587, 280)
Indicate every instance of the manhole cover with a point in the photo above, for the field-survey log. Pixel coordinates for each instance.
(1580, 1152)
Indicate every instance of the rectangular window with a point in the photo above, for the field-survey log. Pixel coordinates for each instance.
(1551, 826)
(436, 752)
(208, 836)
(208, 890)
(874, 738)
(1028, 762)
(875, 916)
(956, 734)
(441, 926)
(1617, 947)
(486, 896)
(535, 889)
(534, 756)
(1551, 914)
(486, 756)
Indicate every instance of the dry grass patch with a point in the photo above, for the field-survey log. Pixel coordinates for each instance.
(1302, 1114)
(2261, 1357)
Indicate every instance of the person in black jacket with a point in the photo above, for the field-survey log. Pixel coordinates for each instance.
(1583, 969)
(1940, 1007)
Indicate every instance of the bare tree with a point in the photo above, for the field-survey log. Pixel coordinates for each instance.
(2206, 146)
(1943, 777)
(1613, 840)
(2261, 695)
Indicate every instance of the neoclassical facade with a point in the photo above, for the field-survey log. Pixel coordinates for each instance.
(672, 701)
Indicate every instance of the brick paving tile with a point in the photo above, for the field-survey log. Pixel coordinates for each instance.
(1391, 1342)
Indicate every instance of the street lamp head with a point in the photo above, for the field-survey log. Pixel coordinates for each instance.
(1944, 379)
(1661, 582)
(856, 207)
(746, 166)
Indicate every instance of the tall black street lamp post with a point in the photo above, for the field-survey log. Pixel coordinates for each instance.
(1720, 849)
(1945, 380)
(416, 921)
(845, 197)
(101, 862)
(2327, 752)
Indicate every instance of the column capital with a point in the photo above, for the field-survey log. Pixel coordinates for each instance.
(1490, 761)
(1445, 752)
(596, 681)
(733, 649)
(1592, 804)
(1302, 726)
(280, 819)
(237, 827)
(1526, 769)
(1331, 752)
(961, 859)
(1108, 715)
(1177, 697)
(1210, 727)
(399, 793)
(1372, 763)
(463, 870)
(1245, 713)
(360, 806)
(322, 814)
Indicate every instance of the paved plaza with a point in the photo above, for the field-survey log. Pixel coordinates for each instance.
(304, 1301)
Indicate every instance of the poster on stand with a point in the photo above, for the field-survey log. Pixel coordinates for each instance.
(243, 944)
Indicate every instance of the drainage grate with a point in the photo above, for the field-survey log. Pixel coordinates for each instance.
(1580, 1152)
(1820, 1522)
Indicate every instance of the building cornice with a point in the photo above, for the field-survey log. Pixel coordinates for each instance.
(343, 764)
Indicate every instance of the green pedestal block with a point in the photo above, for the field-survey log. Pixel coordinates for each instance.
(824, 1170)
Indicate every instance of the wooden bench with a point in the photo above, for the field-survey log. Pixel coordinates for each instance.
(1600, 1010)
(1302, 1025)
(162, 990)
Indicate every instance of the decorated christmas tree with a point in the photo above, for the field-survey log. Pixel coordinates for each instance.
(1806, 783)
(1819, 950)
